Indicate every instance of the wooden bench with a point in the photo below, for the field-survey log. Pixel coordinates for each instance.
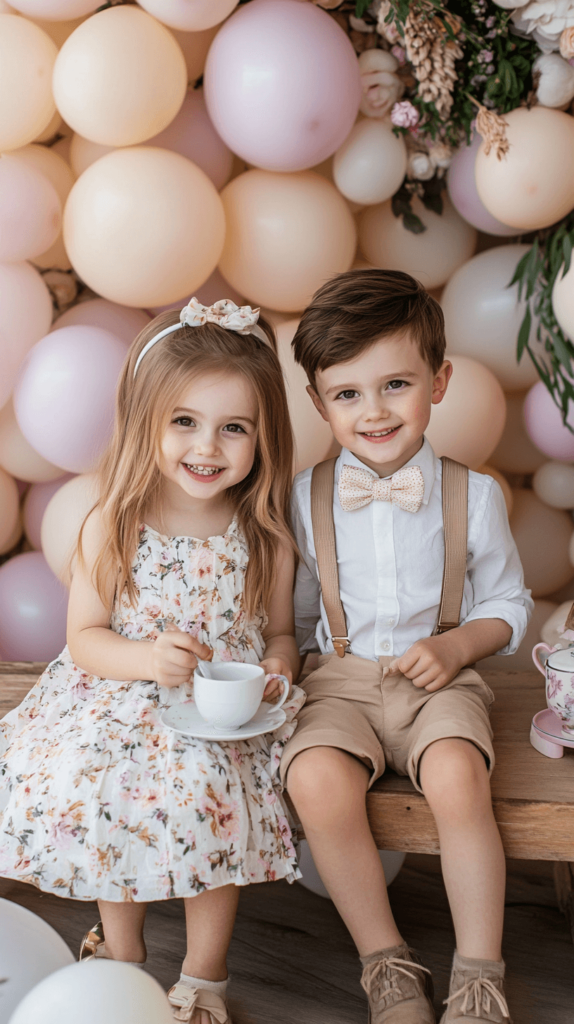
(533, 795)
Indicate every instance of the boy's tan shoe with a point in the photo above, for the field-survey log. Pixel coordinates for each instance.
(476, 993)
(398, 987)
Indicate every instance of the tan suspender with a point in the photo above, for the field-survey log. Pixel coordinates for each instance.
(455, 519)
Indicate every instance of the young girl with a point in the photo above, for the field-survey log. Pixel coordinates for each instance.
(186, 553)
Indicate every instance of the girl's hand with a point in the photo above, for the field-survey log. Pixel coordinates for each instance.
(173, 656)
(276, 667)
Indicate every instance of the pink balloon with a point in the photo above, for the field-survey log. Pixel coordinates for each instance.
(282, 84)
(125, 322)
(64, 399)
(192, 134)
(215, 288)
(36, 503)
(30, 210)
(464, 195)
(544, 426)
(33, 608)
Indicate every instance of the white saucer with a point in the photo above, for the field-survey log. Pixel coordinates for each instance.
(185, 718)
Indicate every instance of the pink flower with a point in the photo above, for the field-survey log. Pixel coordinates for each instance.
(285, 833)
(270, 797)
(404, 114)
(400, 53)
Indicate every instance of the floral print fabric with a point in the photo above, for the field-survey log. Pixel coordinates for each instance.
(99, 800)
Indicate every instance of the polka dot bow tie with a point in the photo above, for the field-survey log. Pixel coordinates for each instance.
(358, 487)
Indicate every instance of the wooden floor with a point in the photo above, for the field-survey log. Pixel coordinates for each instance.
(293, 962)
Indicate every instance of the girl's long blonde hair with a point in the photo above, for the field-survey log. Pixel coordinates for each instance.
(129, 475)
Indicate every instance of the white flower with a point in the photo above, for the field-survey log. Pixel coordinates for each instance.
(440, 155)
(545, 20)
(420, 166)
(381, 86)
(556, 83)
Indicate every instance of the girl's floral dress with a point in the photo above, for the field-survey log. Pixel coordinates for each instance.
(99, 800)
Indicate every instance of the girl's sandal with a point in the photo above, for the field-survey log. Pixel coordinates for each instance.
(187, 1002)
(93, 943)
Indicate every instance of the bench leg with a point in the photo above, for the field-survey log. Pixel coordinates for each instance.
(564, 883)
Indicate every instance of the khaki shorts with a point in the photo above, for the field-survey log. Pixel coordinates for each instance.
(387, 721)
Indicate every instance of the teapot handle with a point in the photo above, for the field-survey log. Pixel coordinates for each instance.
(541, 666)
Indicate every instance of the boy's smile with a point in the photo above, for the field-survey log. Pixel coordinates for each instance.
(379, 404)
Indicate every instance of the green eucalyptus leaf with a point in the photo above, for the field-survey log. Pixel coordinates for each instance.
(523, 334)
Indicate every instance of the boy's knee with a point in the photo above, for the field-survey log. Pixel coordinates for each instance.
(454, 779)
(323, 781)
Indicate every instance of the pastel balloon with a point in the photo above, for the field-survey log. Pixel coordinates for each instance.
(84, 153)
(35, 504)
(62, 520)
(144, 226)
(282, 84)
(30, 949)
(58, 30)
(502, 482)
(122, 321)
(189, 15)
(554, 484)
(9, 507)
(521, 661)
(120, 77)
(65, 397)
(313, 437)
(51, 129)
(195, 47)
(515, 452)
(192, 134)
(555, 624)
(214, 289)
(55, 168)
(544, 426)
(370, 165)
(33, 608)
(14, 538)
(30, 210)
(27, 57)
(468, 423)
(546, 564)
(464, 196)
(26, 317)
(563, 302)
(286, 235)
(17, 456)
(483, 315)
(431, 257)
(55, 10)
(528, 188)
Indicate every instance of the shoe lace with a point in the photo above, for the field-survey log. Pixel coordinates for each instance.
(374, 973)
(482, 993)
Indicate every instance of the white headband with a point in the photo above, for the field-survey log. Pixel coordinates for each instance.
(241, 319)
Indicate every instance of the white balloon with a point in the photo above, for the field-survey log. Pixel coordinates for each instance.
(483, 315)
(370, 165)
(105, 990)
(554, 484)
(313, 436)
(563, 301)
(30, 950)
(392, 861)
(189, 15)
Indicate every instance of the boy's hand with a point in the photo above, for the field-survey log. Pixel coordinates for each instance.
(276, 667)
(173, 656)
(430, 663)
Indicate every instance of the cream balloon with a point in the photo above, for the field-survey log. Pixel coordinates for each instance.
(18, 457)
(30, 950)
(52, 129)
(503, 484)
(554, 484)
(189, 15)
(286, 235)
(9, 508)
(542, 536)
(59, 173)
(84, 153)
(515, 452)
(27, 57)
(56, 10)
(370, 165)
(482, 315)
(431, 257)
(58, 30)
(555, 624)
(26, 317)
(529, 188)
(563, 301)
(120, 77)
(144, 226)
(313, 437)
(124, 322)
(30, 210)
(468, 423)
(62, 521)
(521, 661)
(195, 47)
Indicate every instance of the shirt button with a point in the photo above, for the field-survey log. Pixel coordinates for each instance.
(391, 622)
(385, 646)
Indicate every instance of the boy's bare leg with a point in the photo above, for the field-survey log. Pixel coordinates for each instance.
(454, 779)
(328, 788)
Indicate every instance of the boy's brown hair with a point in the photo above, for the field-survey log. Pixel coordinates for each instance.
(353, 310)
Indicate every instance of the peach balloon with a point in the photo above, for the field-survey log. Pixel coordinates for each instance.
(432, 256)
(124, 322)
(15, 537)
(58, 30)
(26, 317)
(214, 289)
(515, 452)
(120, 77)
(468, 423)
(27, 57)
(52, 129)
(36, 502)
(563, 301)
(84, 153)
(192, 134)
(56, 10)
(62, 522)
(554, 484)
(195, 47)
(286, 235)
(189, 15)
(530, 187)
(59, 173)
(542, 536)
(313, 437)
(502, 482)
(370, 165)
(30, 210)
(9, 507)
(144, 226)
(17, 456)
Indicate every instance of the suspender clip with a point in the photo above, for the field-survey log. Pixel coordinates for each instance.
(341, 643)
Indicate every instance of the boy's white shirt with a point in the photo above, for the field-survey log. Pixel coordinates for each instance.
(391, 564)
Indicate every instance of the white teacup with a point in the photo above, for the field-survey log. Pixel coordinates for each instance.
(232, 694)
(558, 669)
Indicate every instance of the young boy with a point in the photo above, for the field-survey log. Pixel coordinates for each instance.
(390, 690)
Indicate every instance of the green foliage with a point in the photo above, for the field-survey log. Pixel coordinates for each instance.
(430, 194)
(361, 7)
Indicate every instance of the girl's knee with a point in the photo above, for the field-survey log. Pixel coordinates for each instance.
(454, 779)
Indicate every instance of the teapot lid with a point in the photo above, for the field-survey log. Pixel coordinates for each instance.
(562, 660)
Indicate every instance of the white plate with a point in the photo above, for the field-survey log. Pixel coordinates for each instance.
(185, 718)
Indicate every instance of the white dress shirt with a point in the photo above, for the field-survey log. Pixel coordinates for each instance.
(391, 564)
